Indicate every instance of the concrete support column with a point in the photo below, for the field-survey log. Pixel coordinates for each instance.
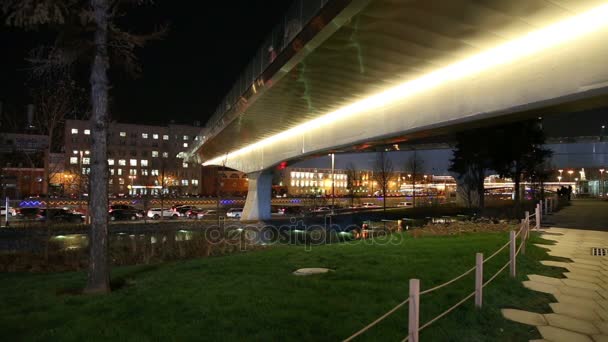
(257, 205)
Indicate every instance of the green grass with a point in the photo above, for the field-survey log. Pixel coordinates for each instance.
(253, 296)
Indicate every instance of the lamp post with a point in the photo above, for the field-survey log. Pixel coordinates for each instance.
(602, 182)
(570, 172)
(333, 180)
(559, 179)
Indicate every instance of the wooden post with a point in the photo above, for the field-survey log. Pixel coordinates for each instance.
(528, 220)
(524, 236)
(478, 280)
(414, 310)
(512, 249)
(537, 212)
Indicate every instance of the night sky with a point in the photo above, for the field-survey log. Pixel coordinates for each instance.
(184, 76)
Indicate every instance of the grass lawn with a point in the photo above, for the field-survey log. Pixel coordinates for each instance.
(253, 296)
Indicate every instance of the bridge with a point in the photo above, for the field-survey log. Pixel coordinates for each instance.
(352, 75)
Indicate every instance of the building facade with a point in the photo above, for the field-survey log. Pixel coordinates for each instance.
(142, 159)
(228, 182)
(311, 182)
(22, 159)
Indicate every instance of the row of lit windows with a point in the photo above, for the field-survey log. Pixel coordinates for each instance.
(143, 135)
(311, 175)
(184, 182)
(305, 183)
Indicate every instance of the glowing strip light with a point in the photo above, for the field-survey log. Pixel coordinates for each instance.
(536, 41)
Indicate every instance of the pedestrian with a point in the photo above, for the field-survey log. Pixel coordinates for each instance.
(569, 192)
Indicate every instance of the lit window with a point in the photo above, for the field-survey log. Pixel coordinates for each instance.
(87, 152)
(73, 160)
(110, 162)
(144, 172)
(133, 162)
(184, 182)
(143, 162)
(123, 134)
(144, 135)
(133, 172)
(196, 138)
(155, 136)
(165, 137)
(86, 170)
(185, 165)
(122, 162)
(154, 154)
(86, 160)
(120, 172)
(75, 152)
(185, 144)
(121, 181)
(185, 137)
(154, 172)
(87, 132)
(195, 182)
(165, 154)
(110, 181)
(111, 172)
(74, 130)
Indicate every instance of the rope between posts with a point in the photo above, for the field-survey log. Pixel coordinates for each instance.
(444, 313)
(519, 248)
(448, 282)
(495, 253)
(377, 320)
(497, 273)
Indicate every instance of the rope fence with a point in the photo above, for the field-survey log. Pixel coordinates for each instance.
(414, 293)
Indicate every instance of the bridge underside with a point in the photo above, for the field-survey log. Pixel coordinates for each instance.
(392, 41)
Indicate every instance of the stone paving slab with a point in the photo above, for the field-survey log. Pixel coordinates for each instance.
(581, 310)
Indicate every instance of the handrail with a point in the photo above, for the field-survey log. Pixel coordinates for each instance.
(378, 320)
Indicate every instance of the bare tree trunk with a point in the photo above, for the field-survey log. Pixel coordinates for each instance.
(99, 270)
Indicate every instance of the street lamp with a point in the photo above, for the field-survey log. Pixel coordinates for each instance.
(602, 182)
(333, 180)
(570, 172)
(559, 179)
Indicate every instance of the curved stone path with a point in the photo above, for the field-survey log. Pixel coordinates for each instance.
(580, 312)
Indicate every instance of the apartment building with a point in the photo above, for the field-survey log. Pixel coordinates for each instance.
(142, 159)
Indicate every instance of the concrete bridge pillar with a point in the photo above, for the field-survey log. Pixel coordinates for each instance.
(257, 205)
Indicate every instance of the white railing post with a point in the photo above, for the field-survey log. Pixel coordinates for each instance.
(537, 217)
(414, 310)
(478, 280)
(512, 252)
(524, 236)
(527, 219)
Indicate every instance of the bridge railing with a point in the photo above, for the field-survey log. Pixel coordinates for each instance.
(413, 300)
(296, 18)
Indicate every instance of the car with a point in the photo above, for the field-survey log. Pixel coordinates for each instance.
(181, 210)
(370, 205)
(123, 214)
(59, 215)
(207, 214)
(321, 210)
(156, 213)
(11, 211)
(125, 211)
(405, 204)
(30, 213)
(234, 212)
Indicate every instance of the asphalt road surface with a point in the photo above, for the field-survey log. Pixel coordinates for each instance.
(591, 214)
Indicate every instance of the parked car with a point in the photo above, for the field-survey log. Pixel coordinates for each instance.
(192, 212)
(60, 215)
(207, 214)
(181, 210)
(28, 213)
(234, 212)
(156, 213)
(123, 214)
(370, 205)
(404, 204)
(321, 210)
(11, 211)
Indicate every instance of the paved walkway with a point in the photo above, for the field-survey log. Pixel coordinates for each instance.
(580, 310)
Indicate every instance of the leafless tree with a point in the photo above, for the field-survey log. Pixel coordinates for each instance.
(56, 97)
(383, 173)
(89, 30)
(414, 166)
(352, 179)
